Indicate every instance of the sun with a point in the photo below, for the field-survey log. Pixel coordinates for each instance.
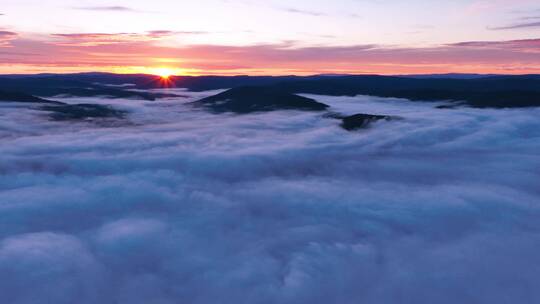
(164, 73)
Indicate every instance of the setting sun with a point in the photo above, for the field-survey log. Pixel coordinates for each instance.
(163, 72)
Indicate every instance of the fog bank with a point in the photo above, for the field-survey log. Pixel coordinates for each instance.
(177, 205)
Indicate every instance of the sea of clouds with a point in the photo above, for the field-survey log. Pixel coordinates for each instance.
(177, 205)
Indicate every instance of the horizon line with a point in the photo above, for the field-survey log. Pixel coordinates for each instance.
(274, 75)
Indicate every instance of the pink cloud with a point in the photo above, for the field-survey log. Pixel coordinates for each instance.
(94, 39)
(98, 51)
(165, 33)
(523, 45)
(6, 37)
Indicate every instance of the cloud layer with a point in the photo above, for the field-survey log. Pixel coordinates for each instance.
(135, 52)
(179, 205)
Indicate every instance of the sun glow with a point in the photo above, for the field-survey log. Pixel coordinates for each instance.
(164, 73)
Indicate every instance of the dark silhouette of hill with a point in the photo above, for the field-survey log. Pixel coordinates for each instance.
(495, 91)
(76, 86)
(205, 83)
(358, 121)
(489, 91)
(449, 76)
(82, 112)
(498, 92)
(474, 90)
(63, 111)
(143, 81)
(55, 83)
(21, 97)
(361, 121)
(258, 99)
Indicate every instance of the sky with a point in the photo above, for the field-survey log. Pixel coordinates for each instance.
(273, 37)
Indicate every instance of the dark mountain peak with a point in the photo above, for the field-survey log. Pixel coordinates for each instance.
(258, 99)
(361, 121)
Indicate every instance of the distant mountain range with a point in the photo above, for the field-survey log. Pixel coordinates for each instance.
(471, 89)
(450, 76)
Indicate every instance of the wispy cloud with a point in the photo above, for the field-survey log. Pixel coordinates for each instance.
(524, 44)
(531, 18)
(528, 19)
(107, 8)
(7, 33)
(94, 39)
(167, 33)
(303, 12)
(6, 37)
(518, 26)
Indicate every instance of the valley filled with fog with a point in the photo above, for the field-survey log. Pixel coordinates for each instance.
(174, 204)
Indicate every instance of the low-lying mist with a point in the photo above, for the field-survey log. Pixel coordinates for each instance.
(177, 205)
